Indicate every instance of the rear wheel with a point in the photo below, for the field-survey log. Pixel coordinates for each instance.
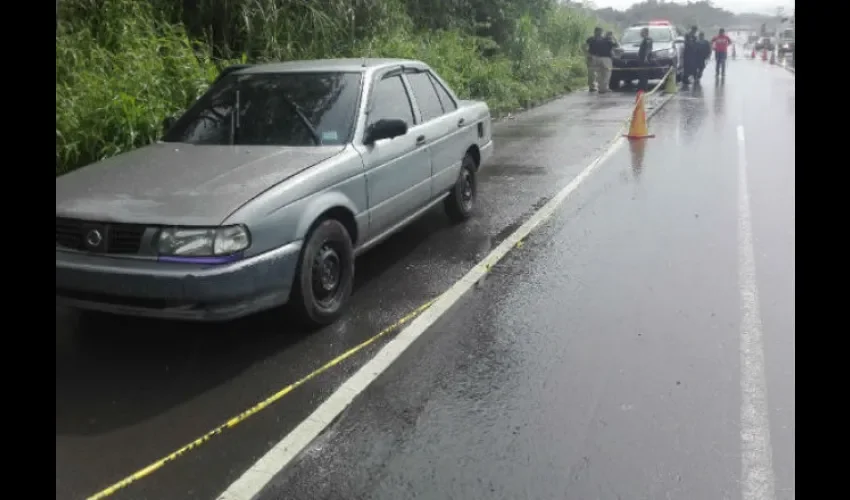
(325, 275)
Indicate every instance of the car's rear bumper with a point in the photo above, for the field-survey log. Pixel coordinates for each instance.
(142, 287)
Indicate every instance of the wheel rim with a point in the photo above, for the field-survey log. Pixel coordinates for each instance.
(327, 275)
(467, 189)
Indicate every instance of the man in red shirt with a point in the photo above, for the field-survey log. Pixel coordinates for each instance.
(721, 44)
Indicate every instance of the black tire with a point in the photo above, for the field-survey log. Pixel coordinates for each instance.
(614, 84)
(461, 201)
(325, 275)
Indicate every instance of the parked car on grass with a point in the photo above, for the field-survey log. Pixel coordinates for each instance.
(264, 191)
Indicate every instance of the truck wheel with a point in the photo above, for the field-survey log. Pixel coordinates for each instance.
(461, 202)
(325, 275)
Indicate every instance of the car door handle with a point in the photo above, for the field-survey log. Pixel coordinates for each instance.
(461, 122)
(420, 140)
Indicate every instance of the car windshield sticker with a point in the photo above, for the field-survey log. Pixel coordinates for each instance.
(330, 136)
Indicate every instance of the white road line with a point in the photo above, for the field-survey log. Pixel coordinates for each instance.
(261, 473)
(757, 478)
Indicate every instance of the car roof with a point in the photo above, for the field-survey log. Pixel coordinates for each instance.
(349, 65)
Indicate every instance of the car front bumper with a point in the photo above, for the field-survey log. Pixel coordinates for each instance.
(143, 287)
(631, 69)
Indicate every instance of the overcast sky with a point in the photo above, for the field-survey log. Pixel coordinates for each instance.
(738, 6)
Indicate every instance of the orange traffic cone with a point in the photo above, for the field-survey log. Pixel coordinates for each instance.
(764, 55)
(637, 127)
(754, 54)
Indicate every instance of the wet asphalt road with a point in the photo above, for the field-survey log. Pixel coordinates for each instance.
(131, 391)
(602, 359)
(599, 359)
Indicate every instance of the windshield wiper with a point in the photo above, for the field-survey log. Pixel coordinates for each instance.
(298, 111)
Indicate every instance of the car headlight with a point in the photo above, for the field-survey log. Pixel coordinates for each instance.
(202, 242)
(664, 53)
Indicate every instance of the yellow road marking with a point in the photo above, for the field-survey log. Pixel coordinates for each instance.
(132, 478)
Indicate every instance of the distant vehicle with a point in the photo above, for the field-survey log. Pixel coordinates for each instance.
(752, 39)
(266, 189)
(765, 43)
(668, 49)
(785, 44)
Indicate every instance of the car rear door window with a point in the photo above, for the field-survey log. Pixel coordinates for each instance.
(449, 104)
(426, 96)
(391, 102)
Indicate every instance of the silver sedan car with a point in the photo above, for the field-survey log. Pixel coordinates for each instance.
(265, 191)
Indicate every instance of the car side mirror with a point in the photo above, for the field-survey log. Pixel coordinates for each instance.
(385, 129)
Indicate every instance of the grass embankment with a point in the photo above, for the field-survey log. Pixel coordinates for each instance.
(123, 65)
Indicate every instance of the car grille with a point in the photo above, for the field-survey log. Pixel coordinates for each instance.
(119, 238)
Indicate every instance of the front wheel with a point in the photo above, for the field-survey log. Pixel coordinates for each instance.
(461, 202)
(325, 275)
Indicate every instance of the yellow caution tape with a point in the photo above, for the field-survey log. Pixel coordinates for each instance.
(256, 408)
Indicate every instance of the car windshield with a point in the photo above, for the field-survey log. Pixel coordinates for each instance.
(657, 33)
(273, 109)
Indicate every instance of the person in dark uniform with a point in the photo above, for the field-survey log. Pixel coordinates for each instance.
(601, 50)
(704, 54)
(644, 57)
(591, 71)
(691, 56)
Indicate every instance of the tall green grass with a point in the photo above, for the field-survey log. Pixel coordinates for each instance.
(124, 65)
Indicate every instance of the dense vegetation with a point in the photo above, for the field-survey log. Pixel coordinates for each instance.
(124, 65)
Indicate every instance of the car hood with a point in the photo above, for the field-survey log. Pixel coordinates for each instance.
(179, 184)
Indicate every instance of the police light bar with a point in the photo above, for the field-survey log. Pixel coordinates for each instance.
(659, 22)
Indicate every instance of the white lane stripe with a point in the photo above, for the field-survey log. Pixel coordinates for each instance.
(261, 473)
(757, 478)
